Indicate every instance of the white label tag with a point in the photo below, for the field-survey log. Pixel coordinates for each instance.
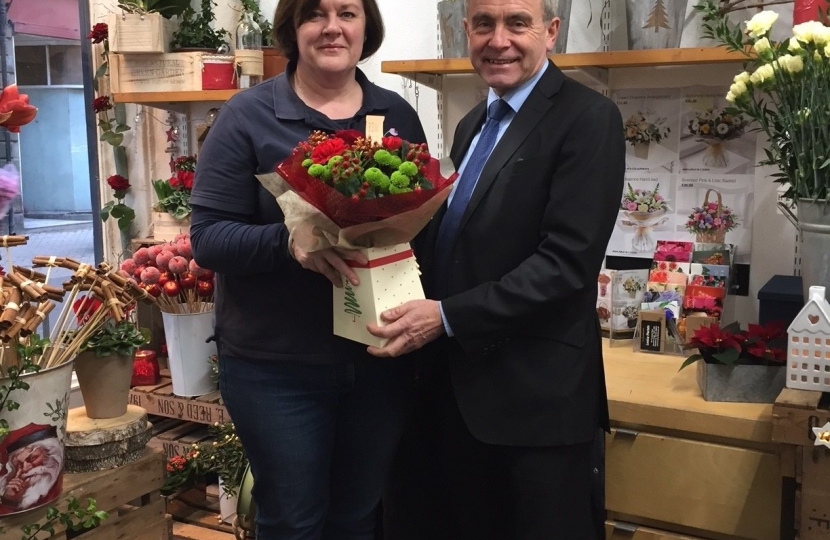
(374, 128)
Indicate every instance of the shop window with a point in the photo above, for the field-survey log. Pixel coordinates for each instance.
(49, 65)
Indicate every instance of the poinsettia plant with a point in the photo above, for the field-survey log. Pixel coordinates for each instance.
(757, 345)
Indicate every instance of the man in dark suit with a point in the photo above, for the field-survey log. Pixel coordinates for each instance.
(513, 386)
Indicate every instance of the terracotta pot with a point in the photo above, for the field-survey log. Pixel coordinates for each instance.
(274, 63)
(105, 383)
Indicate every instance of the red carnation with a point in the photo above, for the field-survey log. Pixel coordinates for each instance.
(328, 149)
(99, 33)
(392, 143)
(101, 104)
(118, 182)
(348, 135)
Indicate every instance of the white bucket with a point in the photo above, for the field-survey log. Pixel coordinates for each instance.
(38, 426)
(188, 353)
(227, 505)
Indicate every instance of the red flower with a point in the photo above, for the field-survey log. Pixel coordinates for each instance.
(101, 104)
(15, 110)
(118, 182)
(349, 136)
(712, 337)
(760, 349)
(99, 33)
(392, 143)
(770, 332)
(174, 181)
(185, 179)
(323, 152)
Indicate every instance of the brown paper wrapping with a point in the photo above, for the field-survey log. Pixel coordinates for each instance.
(311, 230)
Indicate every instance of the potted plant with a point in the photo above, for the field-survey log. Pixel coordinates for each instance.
(104, 367)
(144, 26)
(780, 89)
(224, 456)
(747, 366)
(171, 214)
(195, 31)
(184, 294)
(274, 62)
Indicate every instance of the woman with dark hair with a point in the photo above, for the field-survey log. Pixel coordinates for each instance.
(319, 418)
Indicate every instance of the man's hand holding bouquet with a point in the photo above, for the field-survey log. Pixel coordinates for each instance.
(350, 192)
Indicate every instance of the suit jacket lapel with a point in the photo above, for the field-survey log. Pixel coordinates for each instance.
(522, 125)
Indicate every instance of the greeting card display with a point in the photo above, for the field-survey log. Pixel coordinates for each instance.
(619, 294)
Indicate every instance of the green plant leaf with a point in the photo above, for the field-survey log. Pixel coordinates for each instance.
(121, 128)
(102, 70)
(691, 360)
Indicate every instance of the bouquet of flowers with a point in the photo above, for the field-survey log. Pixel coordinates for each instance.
(758, 345)
(168, 273)
(174, 193)
(638, 130)
(784, 89)
(350, 191)
(643, 200)
(717, 124)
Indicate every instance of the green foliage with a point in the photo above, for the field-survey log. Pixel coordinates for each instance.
(75, 518)
(167, 8)
(175, 202)
(119, 211)
(223, 456)
(252, 7)
(195, 30)
(120, 339)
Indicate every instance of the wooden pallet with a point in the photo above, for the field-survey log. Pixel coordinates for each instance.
(195, 514)
(174, 437)
(130, 494)
(795, 414)
(159, 400)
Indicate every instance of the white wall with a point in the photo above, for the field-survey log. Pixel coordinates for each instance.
(411, 33)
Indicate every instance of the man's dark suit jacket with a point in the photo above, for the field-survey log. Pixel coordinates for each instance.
(526, 359)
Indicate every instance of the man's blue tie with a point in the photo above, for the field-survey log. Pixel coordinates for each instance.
(466, 184)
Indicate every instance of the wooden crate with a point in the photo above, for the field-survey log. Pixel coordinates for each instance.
(195, 514)
(130, 494)
(134, 33)
(795, 414)
(169, 72)
(174, 437)
(166, 227)
(160, 401)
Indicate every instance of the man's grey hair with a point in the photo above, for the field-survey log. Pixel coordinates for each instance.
(549, 9)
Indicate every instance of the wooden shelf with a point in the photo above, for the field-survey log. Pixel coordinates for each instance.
(604, 60)
(174, 97)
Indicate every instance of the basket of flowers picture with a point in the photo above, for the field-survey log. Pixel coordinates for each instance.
(184, 293)
(747, 366)
(643, 209)
(171, 213)
(631, 314)
(711, 221)
(714, 127)
(640, 132)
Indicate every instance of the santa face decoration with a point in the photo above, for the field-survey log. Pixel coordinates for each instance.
(32, 454)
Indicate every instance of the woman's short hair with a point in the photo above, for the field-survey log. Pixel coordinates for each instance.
(291, 13)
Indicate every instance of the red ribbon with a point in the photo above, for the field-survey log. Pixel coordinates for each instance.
(389, 259)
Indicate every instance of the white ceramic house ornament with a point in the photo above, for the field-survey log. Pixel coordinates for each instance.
(808, 350)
